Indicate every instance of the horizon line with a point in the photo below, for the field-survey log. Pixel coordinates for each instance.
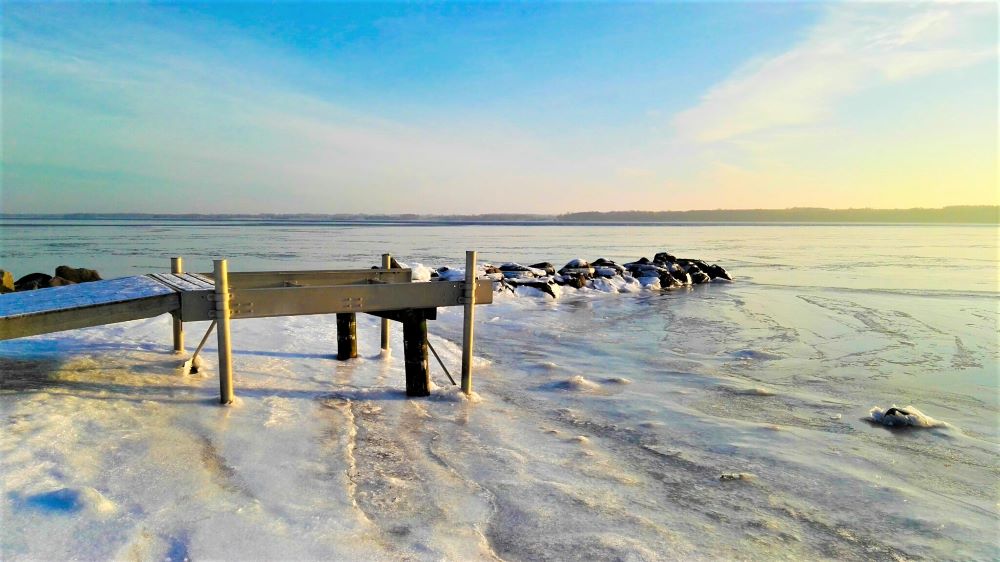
(506, 213)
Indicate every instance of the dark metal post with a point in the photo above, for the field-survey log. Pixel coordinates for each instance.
(418, 380)
(347, 337)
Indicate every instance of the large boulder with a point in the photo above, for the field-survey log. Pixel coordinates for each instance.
(547, 286)
(6, 281)
(687, 263)
(718, 272)
(663, 257)
(606, 268)
(545, 266)
(517, 271)
(77, 275)
(698, 277)
(682, 277)
(668, 281)
(639, 270)
(32, 281)
(577, 267)
(575, 281)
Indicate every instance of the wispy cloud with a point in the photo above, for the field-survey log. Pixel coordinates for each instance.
(857, 46)
(142, 108)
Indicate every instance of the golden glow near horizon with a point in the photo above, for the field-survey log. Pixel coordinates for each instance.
(494, 108)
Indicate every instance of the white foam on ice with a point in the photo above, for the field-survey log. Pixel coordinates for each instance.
(421, 272)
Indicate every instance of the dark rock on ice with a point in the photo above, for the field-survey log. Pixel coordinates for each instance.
(680, 276)
(575, 281)
(718, 272)
(606, 268)
(543, 285)
(518, 271)
(77, 275)
(502, 285)
(668, 281)
(644, 270)
(663, 257)
(545, 266)
(684, 261)
(698, 276)
(32, 281)
(577, 267)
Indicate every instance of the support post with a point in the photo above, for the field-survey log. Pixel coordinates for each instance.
(418, 379)
(347, 336)
(386, 264)
(177, 266)
(470, 313)
(222, 329)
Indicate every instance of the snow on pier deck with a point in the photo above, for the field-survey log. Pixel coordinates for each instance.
(41, 311)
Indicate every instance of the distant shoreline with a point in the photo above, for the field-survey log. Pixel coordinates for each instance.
(979, 214)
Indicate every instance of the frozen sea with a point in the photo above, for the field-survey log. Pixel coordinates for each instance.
(601, 425)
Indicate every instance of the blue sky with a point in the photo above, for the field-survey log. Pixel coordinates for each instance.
(482, 107)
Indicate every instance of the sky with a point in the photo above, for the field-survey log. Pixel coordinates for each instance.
(438, 108)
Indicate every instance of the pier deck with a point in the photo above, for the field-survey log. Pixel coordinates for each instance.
(42, 311)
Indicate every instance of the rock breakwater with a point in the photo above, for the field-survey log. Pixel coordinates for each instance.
(665, 271)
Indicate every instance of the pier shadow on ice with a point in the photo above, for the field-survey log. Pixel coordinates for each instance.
(62, 501)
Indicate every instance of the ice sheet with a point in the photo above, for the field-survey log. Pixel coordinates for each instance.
(606, 425)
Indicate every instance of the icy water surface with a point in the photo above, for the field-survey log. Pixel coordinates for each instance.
(602, 425)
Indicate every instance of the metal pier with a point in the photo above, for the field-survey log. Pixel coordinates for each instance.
(224, 296)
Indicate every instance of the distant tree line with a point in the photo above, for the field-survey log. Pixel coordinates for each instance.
(969, 214)
(980, 214)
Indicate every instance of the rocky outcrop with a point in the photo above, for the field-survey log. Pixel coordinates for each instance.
(664, 271)
(64, 275)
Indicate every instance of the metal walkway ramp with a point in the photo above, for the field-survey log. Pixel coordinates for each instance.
(93, 304)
